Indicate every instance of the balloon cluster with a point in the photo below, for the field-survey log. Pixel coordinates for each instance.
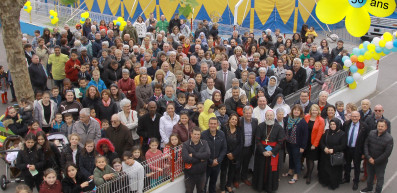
(120, 22)
(84, 16)
(356, 13)
(27, 7)
(380, 46)
(54, 17)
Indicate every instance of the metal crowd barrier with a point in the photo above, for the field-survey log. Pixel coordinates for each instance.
(157, 172)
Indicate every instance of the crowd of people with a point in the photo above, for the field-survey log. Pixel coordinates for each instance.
(125, 96)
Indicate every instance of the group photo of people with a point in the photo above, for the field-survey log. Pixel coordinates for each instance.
(217, 103)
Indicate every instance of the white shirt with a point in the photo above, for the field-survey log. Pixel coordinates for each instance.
(131, 122)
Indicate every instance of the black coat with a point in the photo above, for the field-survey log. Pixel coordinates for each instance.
(217, 144)
(372, 123)
(110, 76)
(199, 152)
(89, 103)
(103, 112)
(300, 77)
(271, 98)
(17, 128)
(148, 128)
(53, 159)
(68, 185)
(288, 87)
(301, 132)
(364, 117)
(324, 111)
(361, 137)
(254, 124)
(234, 146)
(214, 32)
(96, 48)
(174, 22)
(31, 156)
(87, 164)
(378, 147)
(67, 156)
(38, 76)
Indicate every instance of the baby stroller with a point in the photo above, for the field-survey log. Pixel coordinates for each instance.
(59, 139)
(9, 153)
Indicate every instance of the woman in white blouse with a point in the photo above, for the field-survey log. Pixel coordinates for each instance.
(129, 118)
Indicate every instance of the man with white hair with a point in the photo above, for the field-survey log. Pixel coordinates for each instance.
(130, 29)
(235, 82)
(236, 37)
(119, 135)
(366, 110)
(260, 111)
(262, 79)
(226, 75)
(169, 76)
(87, 128)
(160, 41)
(111, 37)
(191, 88)
(271, 136)
(166, 48)
(97, 46)
(162, 25)
(299, 73)
(195, 65)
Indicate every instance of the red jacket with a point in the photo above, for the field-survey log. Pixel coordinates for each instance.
(128, 85)
(55, 188)
(318, 129)
(71, 72)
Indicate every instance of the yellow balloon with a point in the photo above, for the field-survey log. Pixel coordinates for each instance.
(387, 36)
(86, 14)
(51, 12)
(55, 20)
(332, 11)
(82, 22)
(361, 71)
(382, 43)
(371, 47)
(357, 21)
(382, 8)
(353, 85)
(376, 56)
(114, 22)
(27, 3)
(123, 23)
(361, 58)
(367, 55)
(120, 19)
(361, 46)
(346, 68)
(29, 9)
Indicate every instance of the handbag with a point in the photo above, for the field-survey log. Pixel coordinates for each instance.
(338, 158)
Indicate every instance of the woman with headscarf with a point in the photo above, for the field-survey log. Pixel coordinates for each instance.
(272, 90)
(279, 103)
(334, 140)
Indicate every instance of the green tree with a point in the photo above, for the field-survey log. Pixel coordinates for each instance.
(186, 8)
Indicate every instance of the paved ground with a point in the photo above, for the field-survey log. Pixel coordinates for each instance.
(386, 91)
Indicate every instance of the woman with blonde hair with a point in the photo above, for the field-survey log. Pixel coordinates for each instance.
(159, 77)
(315, 127)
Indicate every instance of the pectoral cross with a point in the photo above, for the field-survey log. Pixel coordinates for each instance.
(266, 140)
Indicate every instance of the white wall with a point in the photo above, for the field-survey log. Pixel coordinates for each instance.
(365, 87)
(177, 186)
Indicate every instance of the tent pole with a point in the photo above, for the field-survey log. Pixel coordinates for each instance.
(236, 12)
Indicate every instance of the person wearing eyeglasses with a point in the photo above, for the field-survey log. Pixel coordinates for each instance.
(356, 132)
(119, 135)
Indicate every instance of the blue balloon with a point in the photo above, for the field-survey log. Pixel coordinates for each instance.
(353, 69)
(365, 44)
(356, 51)
(395, 43)
(386, 51)
(118, 23)
(345, 58)
(362, 51)
(394, 49)
(378, 49)
(25, 7)
(349, 79)
(52, 17)
(82, 19)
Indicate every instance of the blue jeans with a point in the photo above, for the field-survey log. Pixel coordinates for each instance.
(212, 176)
(294, 158)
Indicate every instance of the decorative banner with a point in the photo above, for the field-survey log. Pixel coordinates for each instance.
(27, 7)
(356, 63)
(357, 12)
(54, 17)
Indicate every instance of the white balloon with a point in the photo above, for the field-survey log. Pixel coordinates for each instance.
(356, 76)
(376, 41)
(389, 45)
(348, 63)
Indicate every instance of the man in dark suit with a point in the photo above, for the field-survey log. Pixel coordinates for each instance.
(304, 101)
(249, 126)
(356, 132)
(365, 109)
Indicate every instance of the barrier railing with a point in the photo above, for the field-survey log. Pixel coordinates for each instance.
(156, 172)
(331, 85)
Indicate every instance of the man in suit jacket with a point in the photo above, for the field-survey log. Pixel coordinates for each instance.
(373, 119)
(226, 75)
(356, 132)
(249, 126)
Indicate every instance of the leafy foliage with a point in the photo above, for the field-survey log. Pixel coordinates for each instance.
(186, 8)
(67, 2)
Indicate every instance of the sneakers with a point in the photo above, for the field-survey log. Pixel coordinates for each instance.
(365, 190)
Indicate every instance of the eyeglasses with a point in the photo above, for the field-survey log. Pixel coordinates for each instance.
(378, 110)
(114, 121)
(288, 74)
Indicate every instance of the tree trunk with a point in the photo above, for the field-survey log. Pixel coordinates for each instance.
(10, 15)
